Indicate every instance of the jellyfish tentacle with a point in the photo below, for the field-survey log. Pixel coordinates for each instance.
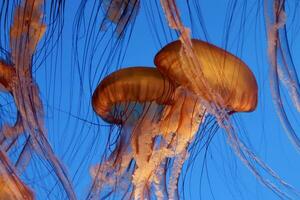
(25, 34)
(275, 20)
(120, 12)
(159, 182)
(176, 169)
(9, 132)
(113, 171)
(143, 133)
(24, 157)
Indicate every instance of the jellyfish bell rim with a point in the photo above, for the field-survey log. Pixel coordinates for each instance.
(169, 63)
(132, 85)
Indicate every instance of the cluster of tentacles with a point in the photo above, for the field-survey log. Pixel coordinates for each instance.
(16, 78)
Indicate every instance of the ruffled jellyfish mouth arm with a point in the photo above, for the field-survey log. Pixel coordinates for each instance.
(178, 126)
(182, 119)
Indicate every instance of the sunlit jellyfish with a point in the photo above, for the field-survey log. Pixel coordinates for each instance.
(224, 85)
(226, 80)
(132, 98)
(159, 118)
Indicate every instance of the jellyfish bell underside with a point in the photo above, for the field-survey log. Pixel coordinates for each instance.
(158, 120)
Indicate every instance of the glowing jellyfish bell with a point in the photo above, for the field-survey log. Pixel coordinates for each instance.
(133, 98)
(217, 77)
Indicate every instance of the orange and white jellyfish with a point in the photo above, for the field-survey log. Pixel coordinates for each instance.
(224, 84)
(132, 98)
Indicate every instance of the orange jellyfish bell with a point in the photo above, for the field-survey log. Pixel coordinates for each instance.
(134, 84)
(218, 76)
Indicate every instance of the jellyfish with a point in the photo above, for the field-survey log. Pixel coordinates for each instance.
(132, 98)
(102, 34)
(225, 82)
(224, 85)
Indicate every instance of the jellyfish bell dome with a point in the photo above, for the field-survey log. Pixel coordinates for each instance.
(113, 96)
(231, 83)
